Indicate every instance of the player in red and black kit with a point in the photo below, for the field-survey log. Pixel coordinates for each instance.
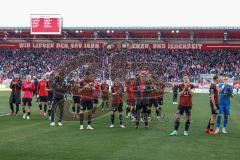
(95, 95)
(117, 102)
(213, 95)
(76, 96)
(185, 105)
(87, 96)
(156, 96)
(142, 90)
(105, 95)
(130, 84)
(43, 95)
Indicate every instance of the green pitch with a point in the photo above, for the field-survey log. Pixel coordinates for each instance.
(35, 139)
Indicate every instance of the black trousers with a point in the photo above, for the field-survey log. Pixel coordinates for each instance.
(175, 97)
(57, 102)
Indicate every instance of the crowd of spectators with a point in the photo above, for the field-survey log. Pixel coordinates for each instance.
(122, 63)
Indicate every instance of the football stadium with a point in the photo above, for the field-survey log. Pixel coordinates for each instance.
(111, 80)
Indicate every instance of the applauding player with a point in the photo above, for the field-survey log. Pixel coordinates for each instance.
(130, 98)
(87, 91)
(225, 92)
(117, 102)
(76, 96)
(43, 95)
(27, 88)
(142, 91)
(105, 95)
(185, 105)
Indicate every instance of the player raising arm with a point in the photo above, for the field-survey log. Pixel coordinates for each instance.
(185, 105)
(117, 102)
(225, 92)
(28, 89)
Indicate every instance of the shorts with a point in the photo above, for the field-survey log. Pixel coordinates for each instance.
(131, 102)
(224, 109)
(95, 100)
(76, 99)
(212, 108)
(160, 101)
(86, 104)
(43, 98)
(27, 101)
(105, 98)
(153, 102)
(117, 107)
(186, 109)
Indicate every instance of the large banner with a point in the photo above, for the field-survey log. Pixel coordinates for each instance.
(51, 45)
(172, 46)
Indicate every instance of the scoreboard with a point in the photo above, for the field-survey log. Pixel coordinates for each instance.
(46, 24)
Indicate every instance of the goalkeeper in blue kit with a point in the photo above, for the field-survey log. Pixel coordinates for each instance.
(225, 92)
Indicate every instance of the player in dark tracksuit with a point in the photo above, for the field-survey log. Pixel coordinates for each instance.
(59, 88)
(15, 96)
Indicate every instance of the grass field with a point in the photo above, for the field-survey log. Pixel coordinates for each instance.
(34, 139)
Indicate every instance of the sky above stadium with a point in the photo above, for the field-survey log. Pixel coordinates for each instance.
(149, 13)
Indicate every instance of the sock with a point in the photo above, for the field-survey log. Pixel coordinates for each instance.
(53, 114)
(24, 111)
(81, 118)
(212, 126)
(127, 110)
(107, 104)
(225, 121)
(29, 113)
(45, 108)
(218, 121)
(121, 119)
(102, 104)
(73, 109)
(146, 123)
(17, 108)
(112, 118)
(11, 107)
(40, 107)
(187, 125)
(49, 112)
(149, 111)
(160, 111)
(177, 123)
(208, 126)
(89, 118)
(157, 113)
(133, 112)
(78, 109)
(137, 123)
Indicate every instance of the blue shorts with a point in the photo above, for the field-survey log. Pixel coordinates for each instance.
(224, 109)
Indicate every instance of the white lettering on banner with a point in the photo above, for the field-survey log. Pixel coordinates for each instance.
(62, 45)
(184, 46)
(159, 46)
(24, 45)
(76, 45)
(91, 45)
(43, 45)
(138, 46)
